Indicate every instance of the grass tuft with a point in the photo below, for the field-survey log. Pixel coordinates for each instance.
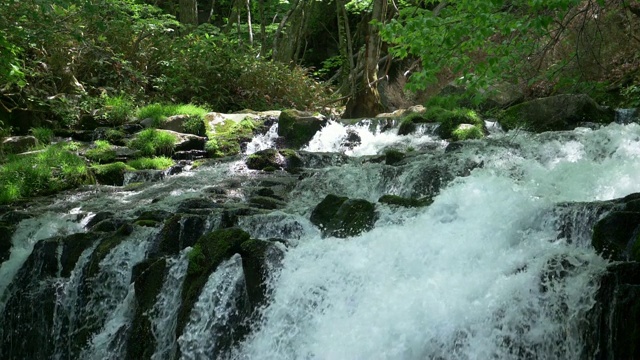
(152, 142)
(155, 163)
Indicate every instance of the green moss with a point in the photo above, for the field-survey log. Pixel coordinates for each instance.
(43, 135)
(111, 174)
(197, 260)
(115, 136)
(466, 133)
(159, 112)
(155, 163)
(449, 120)
(102, 152)
(225, 138)
(263, 159)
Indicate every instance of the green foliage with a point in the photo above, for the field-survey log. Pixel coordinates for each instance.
(51, 170)
(631, 96)
(450, 119)
(44, 135)
(155, 163)
(478, 41)
(101, 152)
(152, 142)
(117, 109)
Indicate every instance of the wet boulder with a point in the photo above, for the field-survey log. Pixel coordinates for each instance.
(617, 235)
(257, 255)
(554, 113)
(614, 320)
(6, 232)
(299, 127)
(343, 217)
(111, 174)
(180, 231)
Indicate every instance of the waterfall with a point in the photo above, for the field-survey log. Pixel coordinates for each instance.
(499, 266)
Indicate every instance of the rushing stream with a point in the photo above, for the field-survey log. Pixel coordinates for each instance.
(484, 272)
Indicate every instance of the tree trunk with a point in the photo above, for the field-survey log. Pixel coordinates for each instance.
(347, 81)
(366, 101)
(263, 28)
(189, 12)
(248, 4)
(278, 34)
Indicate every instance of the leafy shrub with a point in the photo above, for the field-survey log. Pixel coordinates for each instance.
(44, 135)
(155, 163)
(43, 173)
(152, 142)
(102, 152)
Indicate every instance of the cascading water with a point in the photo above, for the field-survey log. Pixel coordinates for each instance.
(499, 266)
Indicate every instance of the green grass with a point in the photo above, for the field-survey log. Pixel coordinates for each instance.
(47, 172)
(472, 132)
(159, 112)
(44, 135)
(155, 163)
(117, 109)
(102, 152)
(152, 142)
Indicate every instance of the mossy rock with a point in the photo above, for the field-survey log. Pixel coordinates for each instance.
(180, 231)
(265, 158)
(225, 138)
(292, 160)
(255, 256)
(396, 200)
(104, 248)
(393, 156)
(298, 128)
(148, 277)
(266, 202)
(343, 217)
(555, 113)
(407, 126)
(154, 215)
(449, 120)
(207, 254)
(324, 212)
(467, 132)
(111, 174)
(146, 223)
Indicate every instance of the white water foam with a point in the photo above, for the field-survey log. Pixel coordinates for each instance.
(479, 274)
(164, 315)
(212, 311)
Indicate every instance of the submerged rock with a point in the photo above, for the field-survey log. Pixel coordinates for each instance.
(404, 202)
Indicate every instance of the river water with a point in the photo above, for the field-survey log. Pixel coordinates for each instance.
(484, 272)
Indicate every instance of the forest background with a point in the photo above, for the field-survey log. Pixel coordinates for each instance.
(62, 60)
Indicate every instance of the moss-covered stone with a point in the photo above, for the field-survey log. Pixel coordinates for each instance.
(104, 247)
(560, 112)
(180, 231)
(265, 158)
(111, 174)
(265, 202)
(255, 255)
(323, 213)
(407, 126)
(343, 217)
(404, 202)
(467, 132)
(449, 120)
(148, 277)
(297, 127)
(225, 138)
(393, 156)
